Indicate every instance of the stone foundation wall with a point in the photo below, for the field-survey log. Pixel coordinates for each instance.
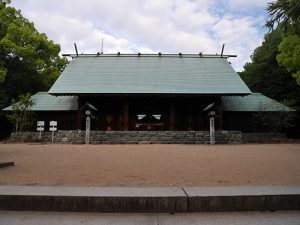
(264, 137)
(147, 137)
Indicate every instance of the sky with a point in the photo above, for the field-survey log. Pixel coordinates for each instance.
(151, 26)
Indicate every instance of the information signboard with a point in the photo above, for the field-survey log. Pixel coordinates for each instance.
(53, 123)
(40, 128)
(40, 123)
(53, 128)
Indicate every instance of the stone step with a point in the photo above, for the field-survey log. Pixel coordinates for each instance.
(149, 200)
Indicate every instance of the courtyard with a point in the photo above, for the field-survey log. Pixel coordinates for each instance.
(150, 165)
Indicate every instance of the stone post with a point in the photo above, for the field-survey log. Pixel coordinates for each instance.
(87, 129)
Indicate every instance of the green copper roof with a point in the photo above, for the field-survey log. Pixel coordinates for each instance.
(45, 102)
(252, 103)
(154, 74)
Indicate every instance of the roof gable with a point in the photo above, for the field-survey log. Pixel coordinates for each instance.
(133, 74)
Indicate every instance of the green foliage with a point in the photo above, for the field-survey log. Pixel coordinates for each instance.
(264, 75)
(289, 55)
(284, 14)
(273, 117)
(3, 72)
(29, 62)
(21, 116)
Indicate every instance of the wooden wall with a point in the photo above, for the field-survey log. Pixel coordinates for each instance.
(177, 113)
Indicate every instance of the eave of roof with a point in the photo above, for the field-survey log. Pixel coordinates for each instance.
(45, 102)
(256, 102)
(250, 103)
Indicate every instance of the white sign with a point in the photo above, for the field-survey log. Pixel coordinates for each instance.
(40, 123)
(40, 128)
(53, 128)
(53, 123)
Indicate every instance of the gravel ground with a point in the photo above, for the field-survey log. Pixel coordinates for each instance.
(150, 165)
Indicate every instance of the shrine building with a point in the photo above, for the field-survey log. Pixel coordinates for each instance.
(149, 91)
(145, 92)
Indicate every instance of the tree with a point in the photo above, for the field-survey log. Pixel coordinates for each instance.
(29, 62)
(266, 76)
(284, 14)
(274, 62)
(22, 115)
(274, 117)
(289, 55)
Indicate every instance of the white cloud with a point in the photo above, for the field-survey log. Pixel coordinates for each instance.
(67, 31)
(167, 26)
(240, 35)
(247, 3)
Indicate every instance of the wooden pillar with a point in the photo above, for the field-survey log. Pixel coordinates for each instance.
(221, 115)
(172, 120)
(78, 122)
(126, 115)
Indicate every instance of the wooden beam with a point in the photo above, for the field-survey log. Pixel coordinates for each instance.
(221, 115)
(78, 123)
(126, 115)
(172, 122)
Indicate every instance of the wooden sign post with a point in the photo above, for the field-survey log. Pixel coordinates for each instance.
(40, 128)
(53, 128)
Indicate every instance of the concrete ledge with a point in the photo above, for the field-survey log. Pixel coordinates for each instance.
(106, 200)
(149, 200)
(252, 198)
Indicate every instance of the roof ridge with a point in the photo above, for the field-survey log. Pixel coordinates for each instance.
(175, 55)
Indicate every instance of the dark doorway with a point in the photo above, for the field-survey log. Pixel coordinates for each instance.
(149, 114)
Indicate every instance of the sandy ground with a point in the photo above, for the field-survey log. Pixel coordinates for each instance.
(150, 165)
